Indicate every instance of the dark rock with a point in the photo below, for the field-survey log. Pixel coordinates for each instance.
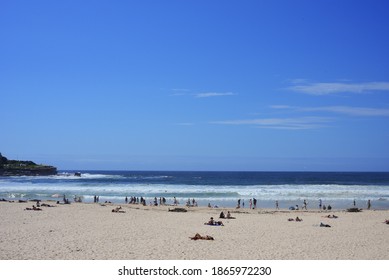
(24, 168)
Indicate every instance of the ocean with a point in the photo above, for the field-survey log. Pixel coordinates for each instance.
(220, 189)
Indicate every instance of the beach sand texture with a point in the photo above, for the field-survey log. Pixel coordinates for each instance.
(90, 231)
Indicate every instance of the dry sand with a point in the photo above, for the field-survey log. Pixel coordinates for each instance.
(91, 231)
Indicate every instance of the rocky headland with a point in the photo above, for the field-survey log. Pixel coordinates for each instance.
(24, 168)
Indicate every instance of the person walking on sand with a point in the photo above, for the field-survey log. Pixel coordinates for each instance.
(277, 207)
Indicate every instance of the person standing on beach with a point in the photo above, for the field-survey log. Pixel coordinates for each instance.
(250, 203)
(368, 204)
(277, 208)
(255, 203)
(320, 204)
(304, 205)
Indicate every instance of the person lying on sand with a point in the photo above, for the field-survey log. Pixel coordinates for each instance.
(324, 225)
(46, 205)
(297, 219)
(198, 236)
(118, 210)
(177, 210)
(331, 217)
(212, 222)
(34, 208)
(386, 222)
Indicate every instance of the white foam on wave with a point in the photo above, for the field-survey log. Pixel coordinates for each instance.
(262, 192)
(62, 176)
(315, 190)
(71, 176)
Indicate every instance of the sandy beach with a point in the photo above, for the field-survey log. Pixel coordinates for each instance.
(83, 231)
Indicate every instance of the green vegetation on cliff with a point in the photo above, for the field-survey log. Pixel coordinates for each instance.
(24, 168)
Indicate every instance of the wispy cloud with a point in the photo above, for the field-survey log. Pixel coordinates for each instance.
(333, 88)
(281, 123)
(188, 92)
(281, 107)
(213, 94)
(345, 110)
(353, 111)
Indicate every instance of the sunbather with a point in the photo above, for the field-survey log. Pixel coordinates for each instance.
(324, 225)
(297, 219)
(212, 222)
(34, 208)
(229, 215)
(46, 205)
(331, 216)
(118, 210)
(198, 236)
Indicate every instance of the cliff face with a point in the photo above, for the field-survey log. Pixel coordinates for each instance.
(24, 168)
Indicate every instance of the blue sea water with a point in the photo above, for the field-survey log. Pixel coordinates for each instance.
(339, 189)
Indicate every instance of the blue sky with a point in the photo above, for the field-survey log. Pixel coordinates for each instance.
(196, 85)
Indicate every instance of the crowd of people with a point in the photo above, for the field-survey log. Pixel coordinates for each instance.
(252, 203)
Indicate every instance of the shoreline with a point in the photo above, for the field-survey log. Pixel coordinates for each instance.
(336, 205)
(88, 231)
